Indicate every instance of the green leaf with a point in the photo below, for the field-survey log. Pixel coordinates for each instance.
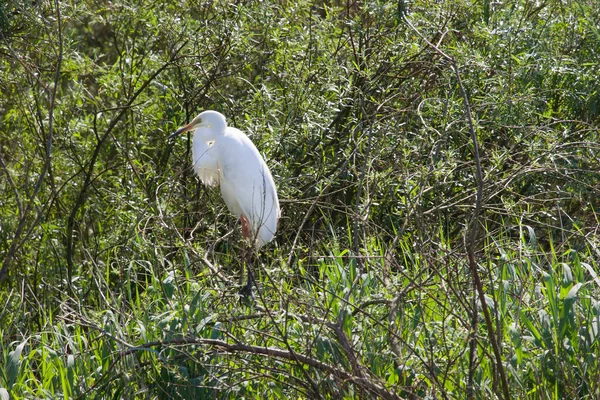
(571, 297)
(531, 328)
(168, 285)
(515, 336)
(12, 364)
(216, 331)
(567, 275)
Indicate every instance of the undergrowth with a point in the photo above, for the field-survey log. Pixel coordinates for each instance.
(120, 272)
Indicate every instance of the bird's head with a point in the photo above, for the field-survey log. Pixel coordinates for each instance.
(209, 119)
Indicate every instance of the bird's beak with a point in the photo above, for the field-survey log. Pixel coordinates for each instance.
(186, 128)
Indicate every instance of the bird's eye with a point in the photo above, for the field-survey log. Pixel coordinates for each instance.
(210, 143)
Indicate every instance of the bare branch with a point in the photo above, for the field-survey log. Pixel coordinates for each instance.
(272, 352)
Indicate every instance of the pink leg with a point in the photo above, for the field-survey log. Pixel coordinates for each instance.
(246, 227)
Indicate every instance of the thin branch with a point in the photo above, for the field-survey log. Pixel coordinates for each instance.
(272, 352)
(81, 198)
(16, 242)
(13, 186)
(474, 224)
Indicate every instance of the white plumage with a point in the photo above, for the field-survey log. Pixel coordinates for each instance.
(225, 156)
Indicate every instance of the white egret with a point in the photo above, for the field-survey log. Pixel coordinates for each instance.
(225, 156)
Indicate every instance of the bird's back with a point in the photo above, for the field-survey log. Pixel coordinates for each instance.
(247, 185)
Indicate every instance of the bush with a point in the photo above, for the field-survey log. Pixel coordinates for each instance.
(120, 275)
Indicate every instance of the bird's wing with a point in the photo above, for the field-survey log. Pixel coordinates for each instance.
(247, 185)
(205, 158)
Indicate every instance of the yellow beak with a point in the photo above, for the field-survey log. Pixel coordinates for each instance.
(186, 128)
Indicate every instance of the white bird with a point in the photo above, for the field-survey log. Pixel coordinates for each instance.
(225, 156)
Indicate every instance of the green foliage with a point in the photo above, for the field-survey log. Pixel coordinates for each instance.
(119, 275)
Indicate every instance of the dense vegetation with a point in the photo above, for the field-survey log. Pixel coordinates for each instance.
(438, 166)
